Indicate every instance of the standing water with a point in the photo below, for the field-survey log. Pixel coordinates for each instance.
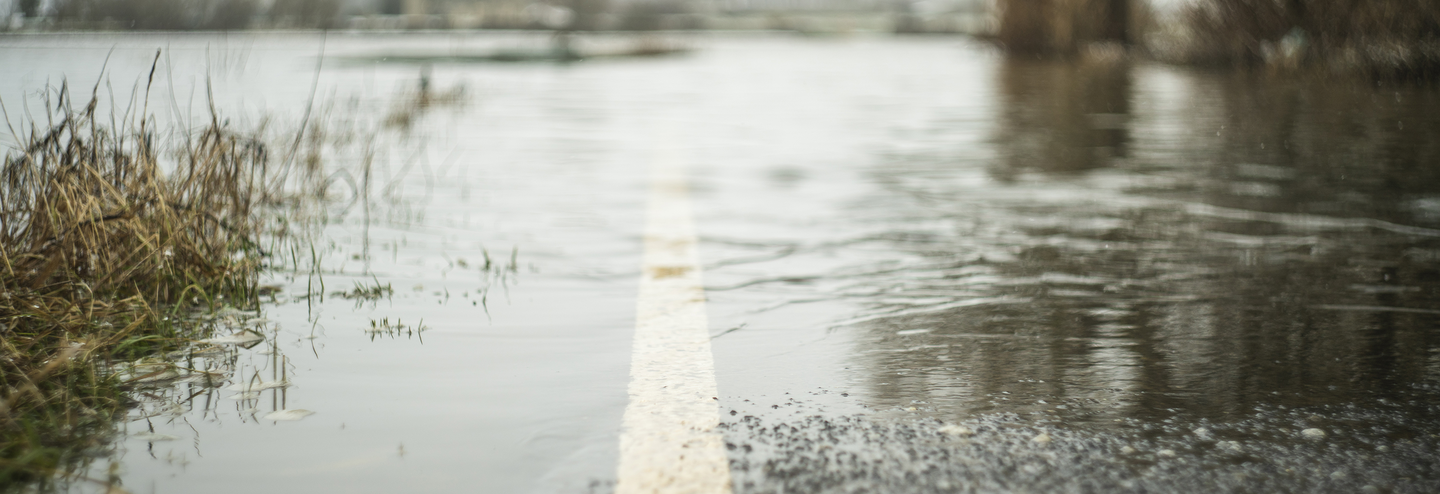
(953, 271)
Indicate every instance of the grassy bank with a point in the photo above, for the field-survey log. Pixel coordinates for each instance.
(110, 233)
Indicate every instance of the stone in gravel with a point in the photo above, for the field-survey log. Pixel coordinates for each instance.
(1313, 434)
(1043, 438)
(957, 430)
(1167, 453)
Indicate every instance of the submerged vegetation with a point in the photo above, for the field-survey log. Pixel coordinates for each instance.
(384, 327)
(363, 293)
(131, 260)
(106, 239)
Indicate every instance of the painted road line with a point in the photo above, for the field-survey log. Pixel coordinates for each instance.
(670, 443)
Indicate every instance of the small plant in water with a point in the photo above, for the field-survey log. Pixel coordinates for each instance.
(412, 106)
(366, 293)
(383, 326)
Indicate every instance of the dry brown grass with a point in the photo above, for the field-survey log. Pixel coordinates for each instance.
(106, 236)
(119, 241)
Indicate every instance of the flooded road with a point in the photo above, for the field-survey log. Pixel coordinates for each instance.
(927, 269)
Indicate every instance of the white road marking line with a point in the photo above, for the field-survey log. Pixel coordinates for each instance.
(670, 443)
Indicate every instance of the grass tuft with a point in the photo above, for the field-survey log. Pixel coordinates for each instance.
(107, 240)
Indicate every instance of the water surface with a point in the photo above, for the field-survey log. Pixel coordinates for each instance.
(893, 228)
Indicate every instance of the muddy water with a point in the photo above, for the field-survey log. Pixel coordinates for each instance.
(901, 236)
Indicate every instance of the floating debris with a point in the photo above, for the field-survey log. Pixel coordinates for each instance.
(209, 351)
(242, 338)
(155, 376)
(288, 414)
(258, 386)
(237, 313)
(154, 437)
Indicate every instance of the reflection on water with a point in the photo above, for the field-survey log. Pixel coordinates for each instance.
(241, 375)
(1060, 118)
(1278, 246)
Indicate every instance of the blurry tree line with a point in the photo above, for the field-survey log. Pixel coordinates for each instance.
(1397, 36)
(193, 14)
(1388, 38)
(1064, 27)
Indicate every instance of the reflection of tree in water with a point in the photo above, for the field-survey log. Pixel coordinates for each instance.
(1330, 149)
(1263, 283)
(1061, 117)
(1181, 321)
